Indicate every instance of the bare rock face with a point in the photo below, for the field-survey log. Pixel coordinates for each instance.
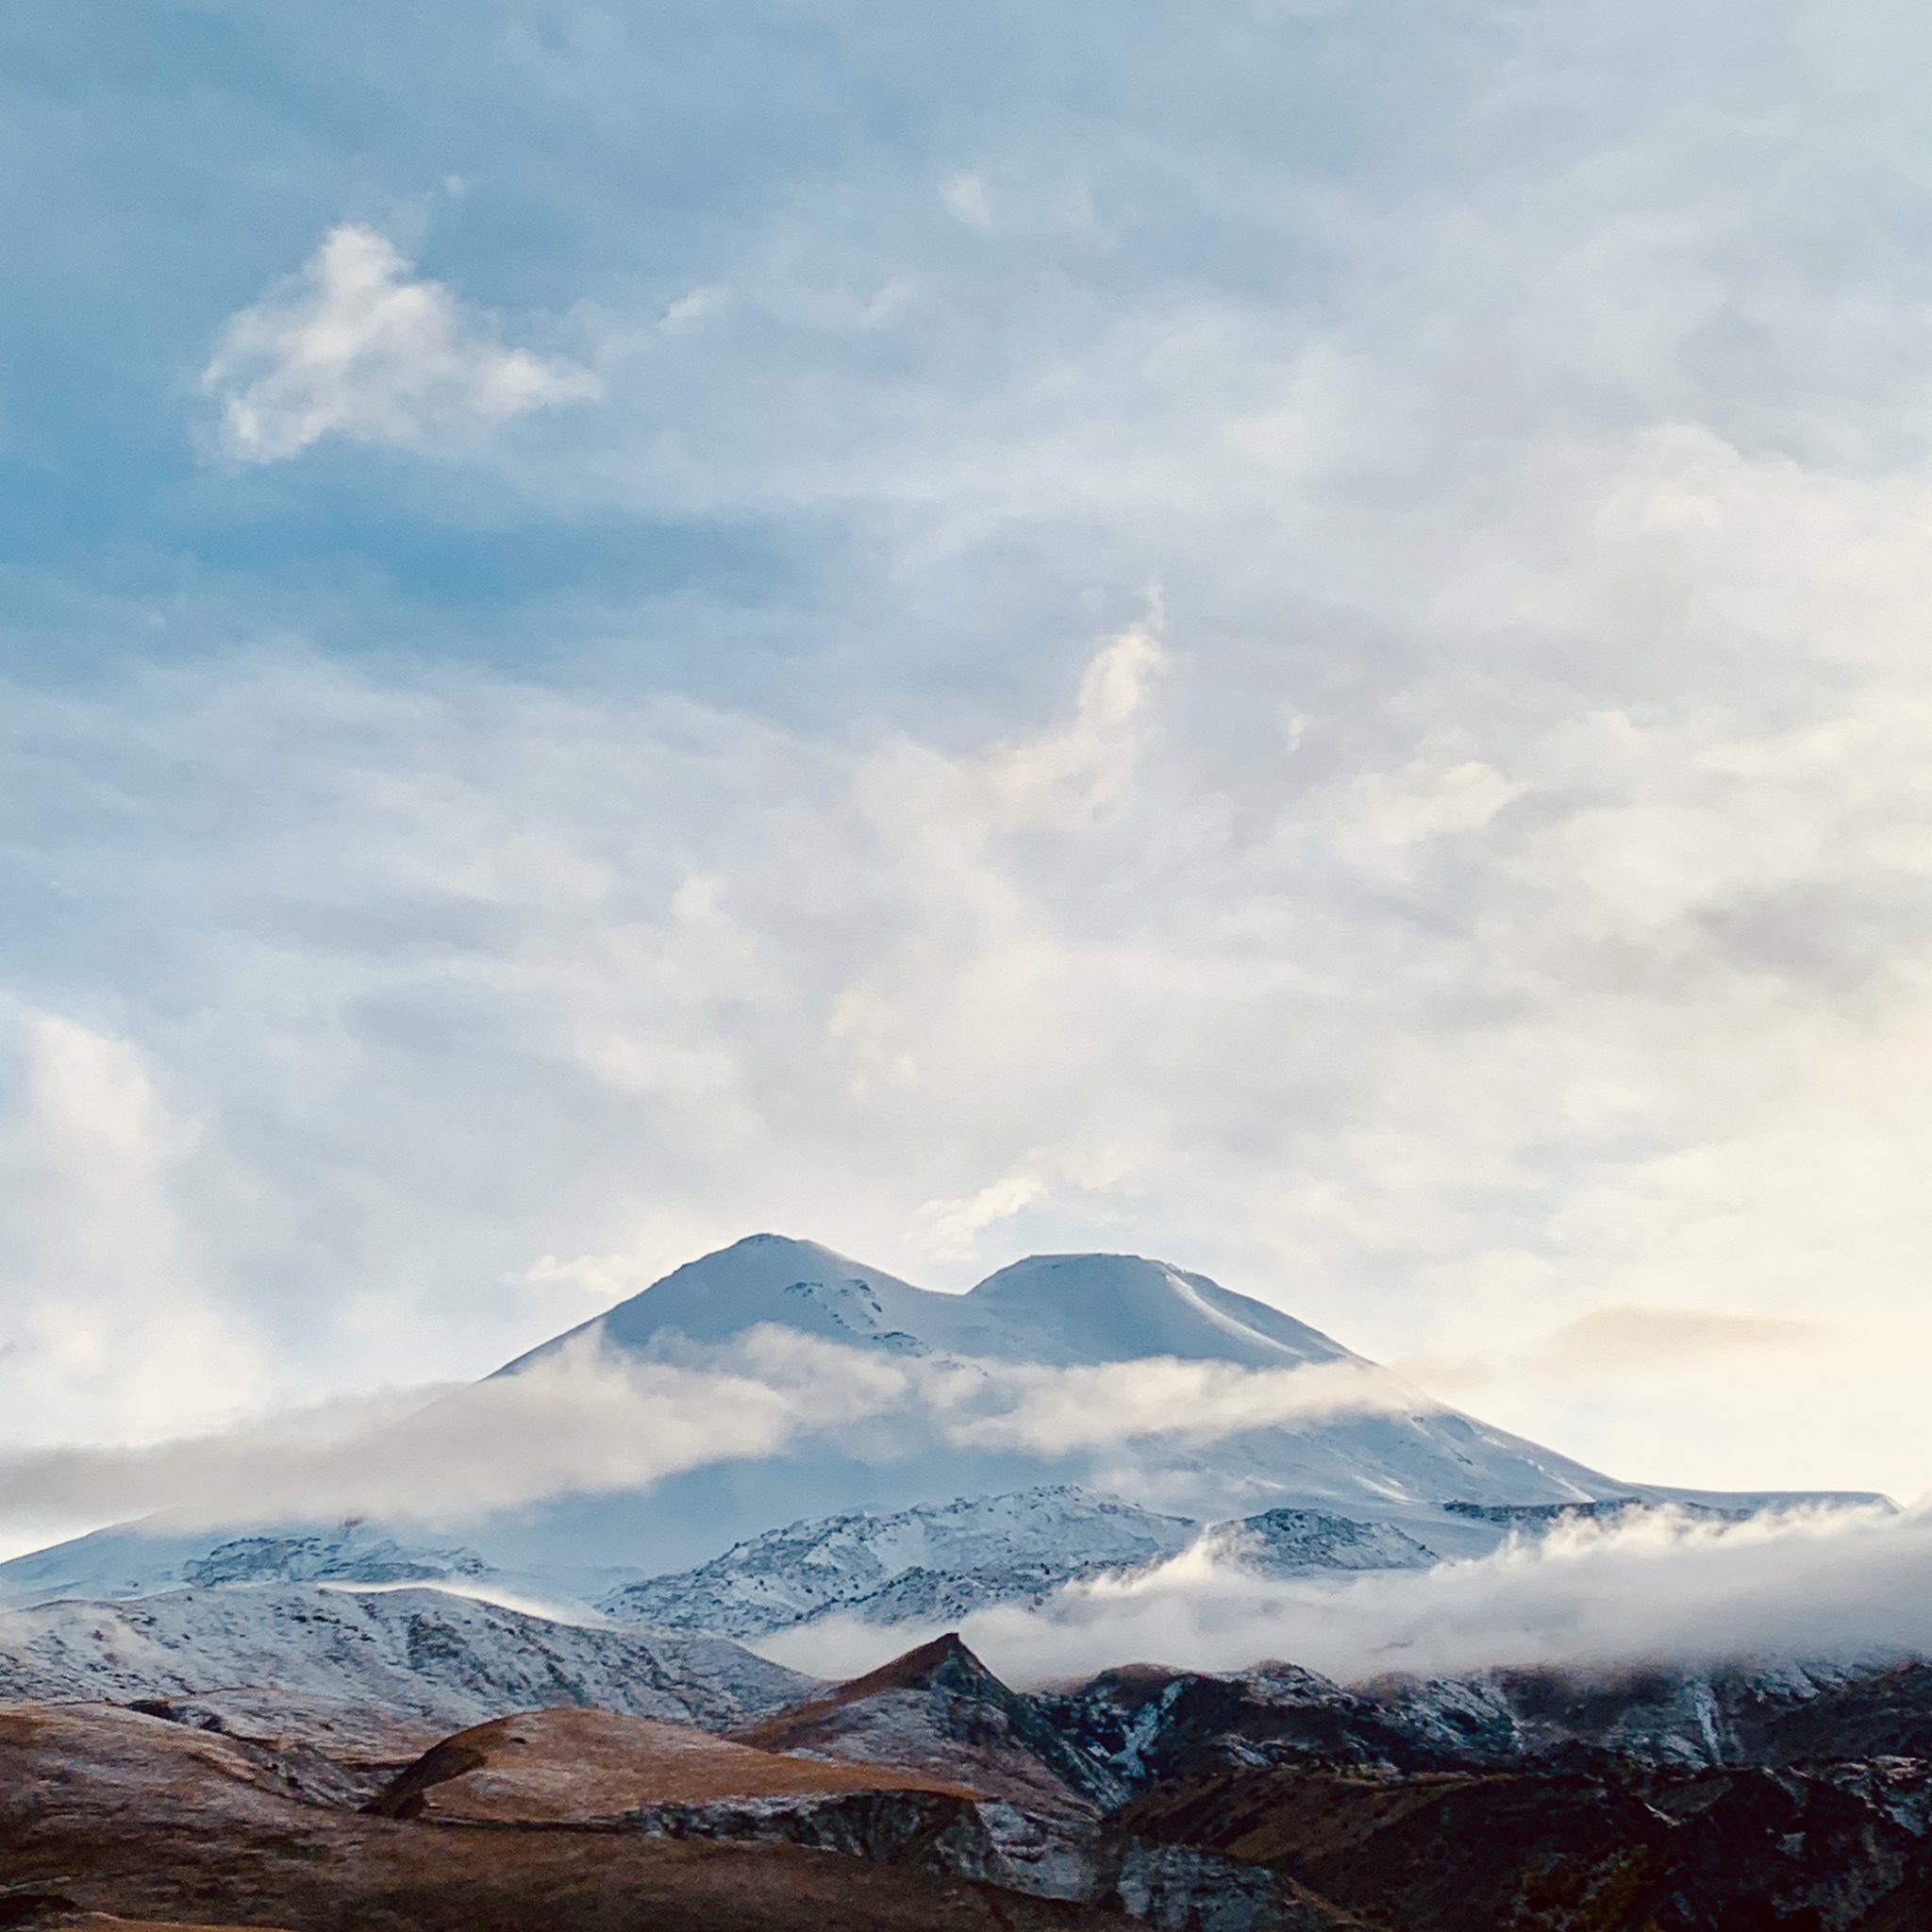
(1177, 1889)
(1838, 1847)
(340, 1559)
(939, 1707)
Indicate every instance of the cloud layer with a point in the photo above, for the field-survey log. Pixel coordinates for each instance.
(582, 1422)
(1655, 1587)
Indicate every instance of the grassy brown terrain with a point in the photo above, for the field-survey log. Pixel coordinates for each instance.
(144, 1820)
(560, 1766)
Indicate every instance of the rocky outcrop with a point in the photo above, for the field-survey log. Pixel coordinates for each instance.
(939, 1707)
(1177, 1889)
(1308, 1542)
(1705, 1851)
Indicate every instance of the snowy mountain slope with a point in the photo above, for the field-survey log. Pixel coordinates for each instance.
(1074, 1313)
(1076, 1335)
(450, 1660)
(936, 1564)
(1055, 1309)
(129, 1562)
(1302, 1543)
(914, 1565)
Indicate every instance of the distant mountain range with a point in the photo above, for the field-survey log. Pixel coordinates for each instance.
(908, 1527)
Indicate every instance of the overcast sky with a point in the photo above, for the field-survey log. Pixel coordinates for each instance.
(1290, 634)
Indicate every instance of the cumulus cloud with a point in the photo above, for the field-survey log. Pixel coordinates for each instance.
(357, 346)
(108, 1305)
(967, 198)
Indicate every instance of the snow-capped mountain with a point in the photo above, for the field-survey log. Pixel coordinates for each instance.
(1402, 1462)
(1086, 1336)
(1054, 1310)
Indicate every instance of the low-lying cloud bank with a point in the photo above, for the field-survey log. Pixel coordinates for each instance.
(584, 1421)
(1653, 1586)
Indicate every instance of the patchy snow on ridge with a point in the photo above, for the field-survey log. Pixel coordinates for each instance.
(129, 1562)
(937, 1564)
(453, 1660)
(912, 1565)
(1306, 1542)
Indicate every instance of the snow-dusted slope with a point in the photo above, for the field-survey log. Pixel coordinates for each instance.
(916, 1565)
(937, 1564)
(127, 1562)
(1071, 1327)
(1301, 1542)
(448, 1659)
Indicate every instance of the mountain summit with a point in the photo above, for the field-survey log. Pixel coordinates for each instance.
(1058, 1310)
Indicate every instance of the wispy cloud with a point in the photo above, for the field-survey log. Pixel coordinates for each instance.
(1059, 1410)
(357, 346)
(581, 1419)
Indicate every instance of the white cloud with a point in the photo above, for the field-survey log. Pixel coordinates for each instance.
(571, 1422)
(106, 1308)
(1060, 1410)
(356, 346)
(952, 1226)
(1656, 1587)
(1426, 798)
(584, 1421)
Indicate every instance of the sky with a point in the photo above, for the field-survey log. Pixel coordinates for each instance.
(1286, 634)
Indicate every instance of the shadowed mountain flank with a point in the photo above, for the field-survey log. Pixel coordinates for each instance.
(939, 1707)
